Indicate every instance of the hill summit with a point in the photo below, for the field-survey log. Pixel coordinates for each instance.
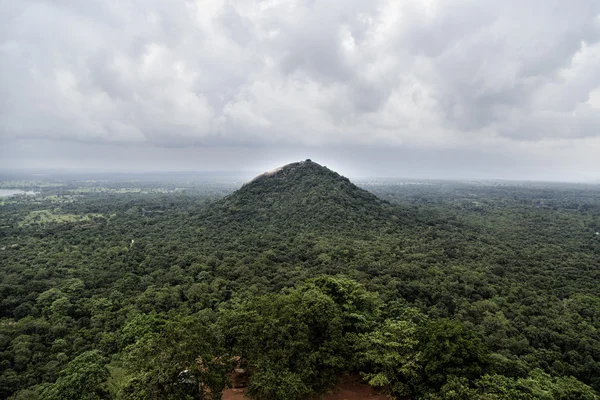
(303, 194)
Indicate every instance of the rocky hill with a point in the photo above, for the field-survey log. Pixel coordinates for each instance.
(304, 195)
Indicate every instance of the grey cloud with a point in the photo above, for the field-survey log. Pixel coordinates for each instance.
(475, 75)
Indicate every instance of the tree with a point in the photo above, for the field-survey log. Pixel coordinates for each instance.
(390, 355)
(449, 348)
(84, 378)
(297, 342)
(184, 360)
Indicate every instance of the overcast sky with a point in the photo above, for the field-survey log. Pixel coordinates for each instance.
(416, 88)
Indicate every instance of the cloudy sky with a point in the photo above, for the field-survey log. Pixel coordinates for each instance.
(407, 88)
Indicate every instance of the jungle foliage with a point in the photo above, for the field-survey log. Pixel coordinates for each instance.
(430, 290)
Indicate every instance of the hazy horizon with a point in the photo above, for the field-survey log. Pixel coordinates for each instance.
(233, 175)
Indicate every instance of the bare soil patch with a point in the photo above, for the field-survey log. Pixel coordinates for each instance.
(348, 388)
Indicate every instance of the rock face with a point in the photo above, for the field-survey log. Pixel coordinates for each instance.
(306, 166)
(303, 194)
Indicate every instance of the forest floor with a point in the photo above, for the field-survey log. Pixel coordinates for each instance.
(348, 388)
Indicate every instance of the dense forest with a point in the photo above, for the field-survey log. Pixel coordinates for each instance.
(426, 290)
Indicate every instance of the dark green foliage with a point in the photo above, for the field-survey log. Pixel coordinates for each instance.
(448, 290)
(448, 348)
(301, 196)
(300, 341)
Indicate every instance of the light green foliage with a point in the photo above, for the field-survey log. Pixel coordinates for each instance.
(48, 216)
(391, 353)
(273, 382)
(141, 327)
(455, 388)
(536, 386)
(84, 378)
(539, 385)
(184, 359)
(358, 307)
(118, 379)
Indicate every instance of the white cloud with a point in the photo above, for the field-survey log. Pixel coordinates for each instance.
(431, 74)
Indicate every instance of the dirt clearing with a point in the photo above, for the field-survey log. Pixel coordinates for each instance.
(348, 388)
